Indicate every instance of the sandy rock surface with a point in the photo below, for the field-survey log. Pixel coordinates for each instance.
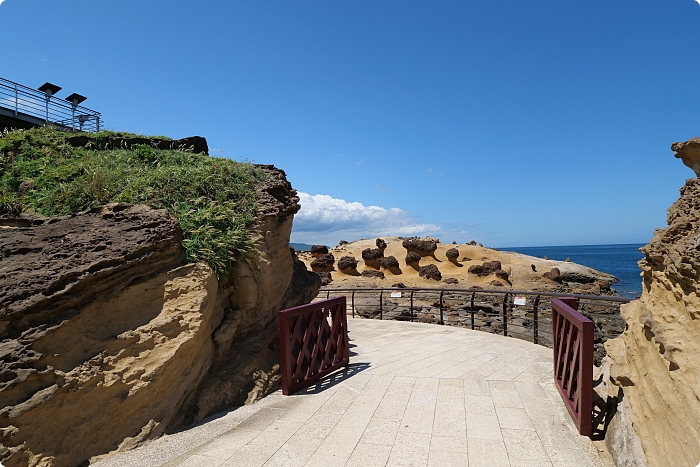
(656, 361)
(518, 267)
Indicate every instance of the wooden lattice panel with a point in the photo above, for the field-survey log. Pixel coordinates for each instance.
(313, 342)
(572, 336)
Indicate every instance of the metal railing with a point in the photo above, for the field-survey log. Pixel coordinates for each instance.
(516, 313)
(313, 342)
(36, 108)
(573, 361)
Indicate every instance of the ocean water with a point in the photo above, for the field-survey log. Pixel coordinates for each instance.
(618, 260)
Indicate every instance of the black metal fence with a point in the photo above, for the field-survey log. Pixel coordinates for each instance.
(516, 313)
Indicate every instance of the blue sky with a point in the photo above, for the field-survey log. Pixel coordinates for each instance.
(511, 123)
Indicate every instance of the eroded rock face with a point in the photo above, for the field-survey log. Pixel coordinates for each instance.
(656, 361)
(107, 340)
(371, 257)
(430, 272)
(689, 153)
(97, 315)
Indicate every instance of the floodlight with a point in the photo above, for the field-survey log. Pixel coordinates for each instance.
(49, 89)
(76, 99)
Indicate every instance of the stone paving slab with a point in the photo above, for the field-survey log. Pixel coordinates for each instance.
(414, 395)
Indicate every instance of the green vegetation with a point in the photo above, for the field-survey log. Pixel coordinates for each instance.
(213, 198)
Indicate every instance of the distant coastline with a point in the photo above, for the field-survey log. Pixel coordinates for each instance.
(620, 260)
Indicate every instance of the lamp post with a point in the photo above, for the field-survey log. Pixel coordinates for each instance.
(49, 90)
(75, 100)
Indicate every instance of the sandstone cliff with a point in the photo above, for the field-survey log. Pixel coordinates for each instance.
(107, 339)
(656, 361)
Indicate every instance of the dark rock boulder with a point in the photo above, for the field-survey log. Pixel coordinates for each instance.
(450, 280)
(496, 283)
(326, 277)
(501, 274)
(413, 259)
(381, 244)
(422, 247)
(348, 265)
(553, 275)
(323, 264)
(452, 254)
(483, 270)
(319, 250)
(399, 285)
(371, 257)
(374, 274)
(390, 263)
(430, 272)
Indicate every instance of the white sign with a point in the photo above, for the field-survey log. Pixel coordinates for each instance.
(519, 300)
(395, 294)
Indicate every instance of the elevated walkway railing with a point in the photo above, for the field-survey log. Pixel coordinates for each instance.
(573, 361)
(313, 342)
(33, 107)
(521, 314)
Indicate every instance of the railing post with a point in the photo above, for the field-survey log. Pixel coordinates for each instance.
(471, 309)
(412, 305)
(505, 315)
(381, 307)
(16, 100)
(535, 322)
(352, 301)
(97, 126)
(328, 294)
(442, 319)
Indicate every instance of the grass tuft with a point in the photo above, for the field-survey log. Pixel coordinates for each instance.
(214, 198)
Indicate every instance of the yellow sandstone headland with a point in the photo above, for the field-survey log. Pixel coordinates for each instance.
(517, 271)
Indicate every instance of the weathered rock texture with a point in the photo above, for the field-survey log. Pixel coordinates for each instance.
(488, 267)
(348, 265)
(657, 359)
(422, 247)
(371, 257)
(689, 153)
(323, 263)
(107, 340)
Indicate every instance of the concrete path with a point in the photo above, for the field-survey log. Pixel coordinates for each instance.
(414, 395)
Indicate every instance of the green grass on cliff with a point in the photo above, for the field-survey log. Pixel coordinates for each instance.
(213, 198)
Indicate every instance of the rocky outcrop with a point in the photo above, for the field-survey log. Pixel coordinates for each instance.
(488, 267)
(553, 275)
(323, 263)
(413, 259)
(373, 274)
(452, 254)
(381, 244)
(318, 250)
(348, 265)
(390, 263)
(689, 153)
(422, 247)
(371, 257)
(430, 272)
(656, 361)
(326, 278)
(107, 340)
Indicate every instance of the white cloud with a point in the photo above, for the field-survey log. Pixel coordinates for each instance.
(1, 1)
(325, 219)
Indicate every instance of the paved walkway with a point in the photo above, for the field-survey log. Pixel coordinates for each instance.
(414, 395)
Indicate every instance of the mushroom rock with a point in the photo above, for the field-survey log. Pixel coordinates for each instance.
(430, 272)
(319, 250)
(483, 270)
(324, 263)
(348, 265)
(390, 263)
(413, 259)
(422, 247)
(381, 244)
(371, 256)
(452, 255)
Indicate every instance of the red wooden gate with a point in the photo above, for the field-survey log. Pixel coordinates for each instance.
(313, 342)
(572, 336)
